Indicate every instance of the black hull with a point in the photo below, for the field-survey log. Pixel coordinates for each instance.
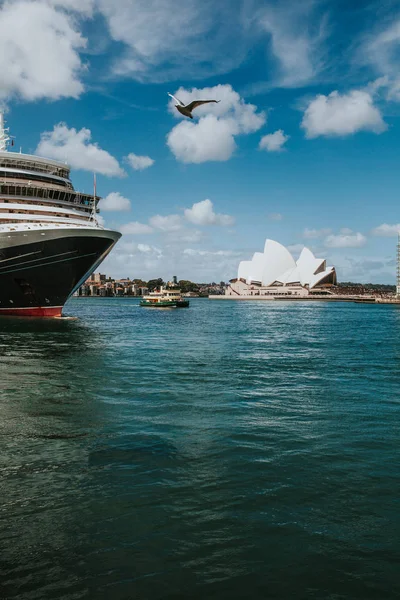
(37, 278)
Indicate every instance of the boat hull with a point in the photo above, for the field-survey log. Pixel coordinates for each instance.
(166, 304)
(39, 270)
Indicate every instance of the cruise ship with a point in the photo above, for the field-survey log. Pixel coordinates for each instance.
(50, 238)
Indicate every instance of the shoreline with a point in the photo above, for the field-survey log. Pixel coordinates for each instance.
(355, 299)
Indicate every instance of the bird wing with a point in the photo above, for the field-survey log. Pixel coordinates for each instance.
(196, 103)
(176, 99)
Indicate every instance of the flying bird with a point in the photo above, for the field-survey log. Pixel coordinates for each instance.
(188, 108)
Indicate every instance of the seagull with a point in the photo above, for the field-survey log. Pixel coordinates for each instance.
(188, 108)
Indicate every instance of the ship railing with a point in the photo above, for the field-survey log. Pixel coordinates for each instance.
(29, 191)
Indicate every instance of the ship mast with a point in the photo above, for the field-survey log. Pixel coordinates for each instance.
(4, 137)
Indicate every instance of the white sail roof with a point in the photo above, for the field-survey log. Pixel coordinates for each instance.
(257, 267)
(277, 260)
(243, 270)
(277, 265)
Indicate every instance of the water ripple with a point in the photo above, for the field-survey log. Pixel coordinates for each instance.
(230, 450)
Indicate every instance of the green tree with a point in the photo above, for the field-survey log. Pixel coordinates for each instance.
(140, 282)
(187, 286)
(154, 284)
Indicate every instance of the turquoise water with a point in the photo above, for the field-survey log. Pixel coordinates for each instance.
(230, 450)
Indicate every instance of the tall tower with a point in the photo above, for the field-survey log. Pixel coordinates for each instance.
(398, 269)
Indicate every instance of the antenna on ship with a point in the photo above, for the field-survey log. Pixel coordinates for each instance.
(93, 215)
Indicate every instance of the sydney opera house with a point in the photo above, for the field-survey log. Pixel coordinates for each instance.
(274, 272)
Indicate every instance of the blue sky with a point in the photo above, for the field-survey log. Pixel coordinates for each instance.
(303, 147)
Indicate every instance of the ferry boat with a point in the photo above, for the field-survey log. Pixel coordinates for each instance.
(50, 238)
(164, 298)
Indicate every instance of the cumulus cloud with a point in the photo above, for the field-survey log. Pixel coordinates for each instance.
(311, 234)
(273, 142)
(139, 163)
(202, 213)
(212, 138)
(135, 260)
(74, 147)
(166, 223)
(352, 240)
(209, 140)
(136, 228)
(386, 230)
(148, 261)
(39, 52)
(342, 114)
(275, 217)
(114, 202)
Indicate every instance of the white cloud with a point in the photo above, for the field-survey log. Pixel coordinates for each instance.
(139, 163)
(209, 140)
(273, 142)
(148, 249)
(275, 217)
(166, 41)
(191, 236)
(346, 230)
(136, 228)
(193, 252)
(380, 49)
(340, 115)
(39, 52)
(134, 248)
(74, 147)
(167, 223)
(80, 6)
(212, 138)
(386, 230)
(231, 106)
(295, 40)
(147, 261)
(366, 269)
(311, 234)
(114, 202)
(353, 240)
(202, 213)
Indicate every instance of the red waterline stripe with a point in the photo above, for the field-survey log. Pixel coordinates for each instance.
(33, 311)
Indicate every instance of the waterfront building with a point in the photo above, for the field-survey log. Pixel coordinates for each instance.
(274, 272)
(97, 278)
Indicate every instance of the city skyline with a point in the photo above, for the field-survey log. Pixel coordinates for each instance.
(302, 147)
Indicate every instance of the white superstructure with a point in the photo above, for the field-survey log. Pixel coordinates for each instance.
(38, 190)
(50, 238)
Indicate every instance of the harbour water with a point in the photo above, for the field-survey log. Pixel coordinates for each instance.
(226, 451)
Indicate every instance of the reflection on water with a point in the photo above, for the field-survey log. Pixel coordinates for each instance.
(50, 375)
(232, 450)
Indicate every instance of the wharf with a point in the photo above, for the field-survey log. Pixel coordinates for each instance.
(312, 298)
